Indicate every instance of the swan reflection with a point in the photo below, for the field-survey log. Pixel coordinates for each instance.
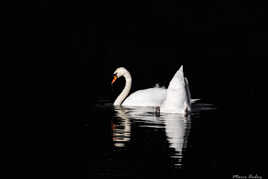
(175, 127)
(121, 128)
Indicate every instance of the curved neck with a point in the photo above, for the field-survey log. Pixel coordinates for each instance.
(126, 89)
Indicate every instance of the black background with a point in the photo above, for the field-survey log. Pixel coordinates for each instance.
(222, 45)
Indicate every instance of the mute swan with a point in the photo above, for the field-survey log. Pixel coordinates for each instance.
(175, 99)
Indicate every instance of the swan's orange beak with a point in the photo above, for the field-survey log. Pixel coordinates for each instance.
(114, 79)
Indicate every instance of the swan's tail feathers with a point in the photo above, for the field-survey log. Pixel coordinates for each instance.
(188, 95)
(194, 100)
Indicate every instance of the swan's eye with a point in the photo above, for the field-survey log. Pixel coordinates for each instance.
(114, 78)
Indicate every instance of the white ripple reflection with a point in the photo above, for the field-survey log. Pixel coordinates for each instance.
(174, 125)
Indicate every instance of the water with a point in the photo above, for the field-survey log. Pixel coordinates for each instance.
(214, 141)
(140, 143)
(174, 129)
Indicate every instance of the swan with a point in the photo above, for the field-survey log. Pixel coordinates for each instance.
(175, 99)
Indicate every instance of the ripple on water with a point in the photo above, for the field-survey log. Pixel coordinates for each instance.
(140, 129)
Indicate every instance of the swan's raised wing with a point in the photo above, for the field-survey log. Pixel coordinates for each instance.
(176, 97)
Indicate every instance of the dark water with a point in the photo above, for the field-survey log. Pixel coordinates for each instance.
(135, 142)
(142, 144)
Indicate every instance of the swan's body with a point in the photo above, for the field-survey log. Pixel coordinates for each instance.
(175, 99)
(146, 97)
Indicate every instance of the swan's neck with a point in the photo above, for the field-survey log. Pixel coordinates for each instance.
(126, 89)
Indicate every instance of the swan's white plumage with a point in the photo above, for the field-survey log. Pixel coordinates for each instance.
(175, 99)
(146, 97)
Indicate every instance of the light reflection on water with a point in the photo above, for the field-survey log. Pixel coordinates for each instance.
(176, 127)
(144, 142)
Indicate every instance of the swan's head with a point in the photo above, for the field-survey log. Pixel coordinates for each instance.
(121, 71)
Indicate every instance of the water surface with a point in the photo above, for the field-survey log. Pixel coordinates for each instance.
(142, 143)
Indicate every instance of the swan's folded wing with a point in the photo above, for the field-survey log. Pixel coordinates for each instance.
(146, 97)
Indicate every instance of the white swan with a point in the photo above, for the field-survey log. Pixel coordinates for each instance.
(175, 99)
